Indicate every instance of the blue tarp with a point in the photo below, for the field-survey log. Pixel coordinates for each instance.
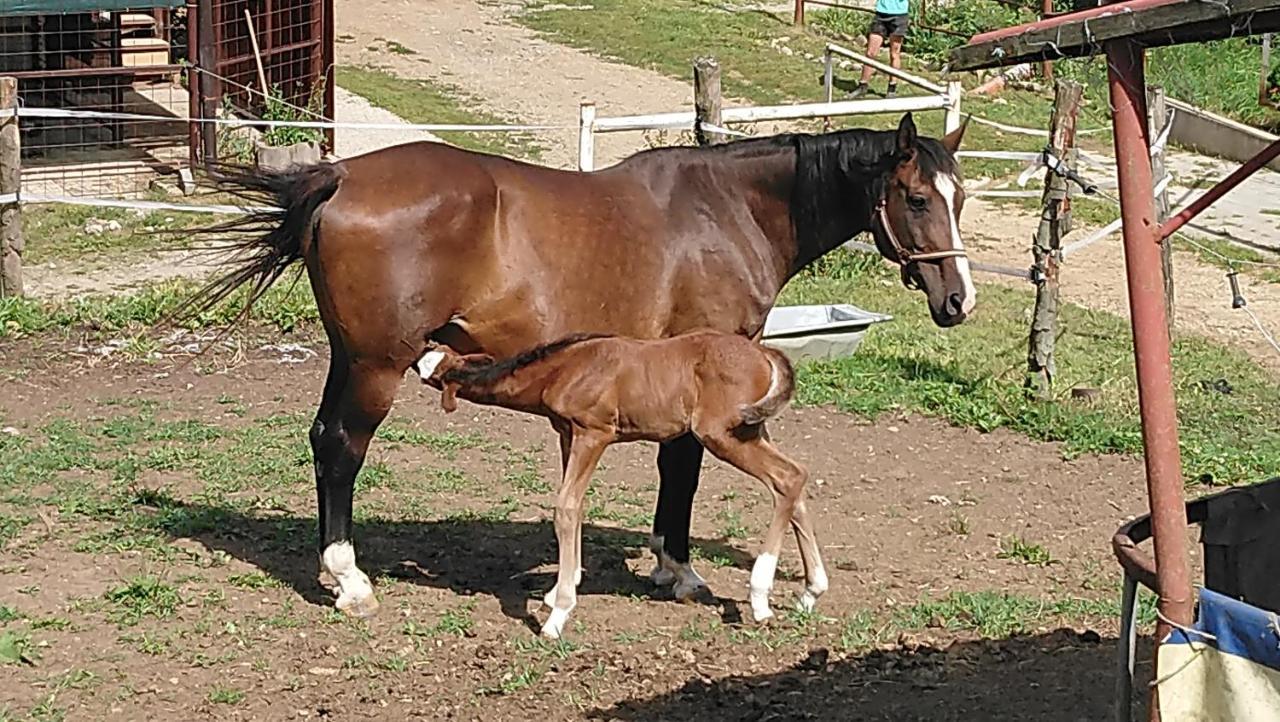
(54, 7)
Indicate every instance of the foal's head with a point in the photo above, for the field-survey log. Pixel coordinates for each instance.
(917, 222)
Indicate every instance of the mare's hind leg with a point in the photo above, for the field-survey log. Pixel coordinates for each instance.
(356, 399)
(785, 478)
(679, 463)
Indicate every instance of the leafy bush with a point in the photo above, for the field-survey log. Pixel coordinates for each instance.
(965, 17)
(281, 110)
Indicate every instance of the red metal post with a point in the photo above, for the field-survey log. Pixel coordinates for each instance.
(1046, 66)
(1150, 337)
(1224, 186)
(329, 71)
(799, 16)
(193, 85)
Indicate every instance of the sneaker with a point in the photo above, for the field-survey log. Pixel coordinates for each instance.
(892, 91)
(858, 92)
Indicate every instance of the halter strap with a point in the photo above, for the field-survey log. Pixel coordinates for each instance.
(906, 257)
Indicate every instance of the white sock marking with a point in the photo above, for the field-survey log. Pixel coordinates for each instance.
(428, 363)
(339, 559)
(555, 623)
(946, 185)
(762, 574)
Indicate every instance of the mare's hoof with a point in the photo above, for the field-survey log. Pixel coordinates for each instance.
(662, 577)
(762, 616)
(693, 593)
(360, 608)
(555, 623)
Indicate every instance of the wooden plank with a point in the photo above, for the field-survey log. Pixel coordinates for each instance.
(11, 241)
(1157, 117)
(706, 100)
(1160, 25)
(1055, 222)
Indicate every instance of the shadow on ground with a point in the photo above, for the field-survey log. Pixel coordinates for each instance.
(513, 561)
(1059, 676)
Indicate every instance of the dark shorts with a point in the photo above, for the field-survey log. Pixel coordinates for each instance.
(889, 25)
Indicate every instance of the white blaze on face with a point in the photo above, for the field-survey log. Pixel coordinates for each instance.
(428, 363)
(947, 188)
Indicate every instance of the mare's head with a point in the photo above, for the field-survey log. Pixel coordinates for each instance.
(916, 222)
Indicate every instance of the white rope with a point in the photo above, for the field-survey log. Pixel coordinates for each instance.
(140, 205)
(1270, 339)
(1027, 131)
(430, 127)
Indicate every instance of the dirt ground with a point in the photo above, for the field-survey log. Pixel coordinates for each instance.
(159, 562)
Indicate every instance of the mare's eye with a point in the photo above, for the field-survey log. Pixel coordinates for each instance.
(917, 203)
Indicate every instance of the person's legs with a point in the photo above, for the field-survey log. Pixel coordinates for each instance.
(875, 41)
(895, 61)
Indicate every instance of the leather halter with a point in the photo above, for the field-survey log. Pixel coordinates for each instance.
(905, 257)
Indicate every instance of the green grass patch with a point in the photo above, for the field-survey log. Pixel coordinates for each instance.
(666, 35)
(421, 101)
(972, 375)
(285, 307)
(55, 231)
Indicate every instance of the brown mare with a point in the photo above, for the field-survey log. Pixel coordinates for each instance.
(425, 243)
(602, 390)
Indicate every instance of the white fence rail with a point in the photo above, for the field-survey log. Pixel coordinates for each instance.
(589, 124)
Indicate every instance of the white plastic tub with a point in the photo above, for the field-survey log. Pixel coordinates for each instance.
(818, 332)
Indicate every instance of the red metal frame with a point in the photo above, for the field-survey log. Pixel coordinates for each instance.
(1221, 188)
(1156, 403)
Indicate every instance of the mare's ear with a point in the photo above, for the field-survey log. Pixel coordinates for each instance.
(951, 141)
(907, 137)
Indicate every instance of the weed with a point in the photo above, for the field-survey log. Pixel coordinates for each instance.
(225, 695)
(142, 596)
(1019, 549)
(254, 580)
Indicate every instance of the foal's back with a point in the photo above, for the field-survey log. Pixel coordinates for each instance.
(659, 389)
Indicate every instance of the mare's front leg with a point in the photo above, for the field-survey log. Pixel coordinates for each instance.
(584, 454)
(679, 464)
(356, 399)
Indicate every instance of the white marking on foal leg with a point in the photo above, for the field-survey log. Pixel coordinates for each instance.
(555, 623)
(946, 185)
(816, 587)
(662, 574)
(428, 363)
(761, 582)
(549, 599)
(355, 593)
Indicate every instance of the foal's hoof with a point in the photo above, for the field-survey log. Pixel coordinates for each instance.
(761, 616)
(807, 601)
(358, 607)
(554, 626)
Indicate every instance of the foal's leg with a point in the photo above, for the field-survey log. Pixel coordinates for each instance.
(785, 479)
(679, 463)
(565, 433)
(356, 399)
(584, 455)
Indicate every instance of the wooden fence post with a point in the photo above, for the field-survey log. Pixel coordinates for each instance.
(210, 87)
(587, 137)
(706, 100)
(1157, 118)
(11, 241)
(1055, 222)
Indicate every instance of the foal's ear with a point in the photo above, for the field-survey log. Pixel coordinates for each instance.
(907, 135)
(951, 141)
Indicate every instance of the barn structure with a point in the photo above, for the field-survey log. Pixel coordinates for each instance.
(173, 59)
(1204, 670)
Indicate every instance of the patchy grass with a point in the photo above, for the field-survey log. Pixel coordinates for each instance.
(1020, 550)
(421, 101)
(972, 375)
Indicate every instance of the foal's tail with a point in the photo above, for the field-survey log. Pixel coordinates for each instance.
(274, 233)
(782, 385)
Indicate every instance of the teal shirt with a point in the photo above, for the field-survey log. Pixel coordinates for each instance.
(891, 7)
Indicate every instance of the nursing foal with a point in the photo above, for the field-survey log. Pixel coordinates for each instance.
(601, 390)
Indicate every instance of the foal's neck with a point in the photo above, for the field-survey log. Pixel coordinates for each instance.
(519, 390)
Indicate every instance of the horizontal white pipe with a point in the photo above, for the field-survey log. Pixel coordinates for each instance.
(1000, 155)
(886, 69)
